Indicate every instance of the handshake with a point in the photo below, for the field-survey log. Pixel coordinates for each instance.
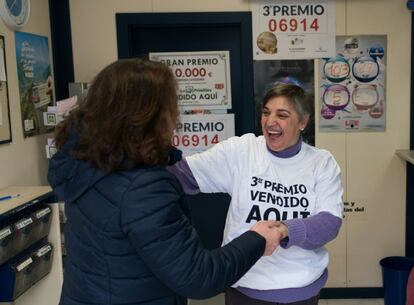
(273, 232)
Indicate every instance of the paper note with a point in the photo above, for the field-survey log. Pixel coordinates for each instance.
(1, 115)
(2, 66)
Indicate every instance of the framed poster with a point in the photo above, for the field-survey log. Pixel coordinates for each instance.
(35, 81)
(352, 85)
(5, 126)
(203, 78)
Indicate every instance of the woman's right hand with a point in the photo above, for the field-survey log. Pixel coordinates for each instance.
(268, 229)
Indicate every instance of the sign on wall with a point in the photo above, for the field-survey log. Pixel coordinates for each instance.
(196, 132)
(203, 78)
(35, 81)
(352, 92)
(293, 29)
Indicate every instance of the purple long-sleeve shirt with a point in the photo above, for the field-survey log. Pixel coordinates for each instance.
(308, 233)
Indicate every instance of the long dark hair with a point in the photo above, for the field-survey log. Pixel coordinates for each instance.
(126, 118)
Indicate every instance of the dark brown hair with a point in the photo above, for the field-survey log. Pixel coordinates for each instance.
(297, 97)
(126, 118)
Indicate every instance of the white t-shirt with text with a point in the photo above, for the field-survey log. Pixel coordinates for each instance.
(265, 187)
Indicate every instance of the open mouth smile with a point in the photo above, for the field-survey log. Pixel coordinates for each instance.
(274, 134)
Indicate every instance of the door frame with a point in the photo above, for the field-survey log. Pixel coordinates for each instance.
(127, 22)
(409, 229)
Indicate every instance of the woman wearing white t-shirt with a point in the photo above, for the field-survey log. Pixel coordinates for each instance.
(277, 177)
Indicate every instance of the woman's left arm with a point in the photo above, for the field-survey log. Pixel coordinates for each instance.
(312, 232)
(324, 224)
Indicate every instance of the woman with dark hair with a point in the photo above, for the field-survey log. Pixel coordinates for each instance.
(275, 176)
(127, 238)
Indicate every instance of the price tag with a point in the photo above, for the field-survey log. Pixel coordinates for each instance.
(42, 251)
(42, 213)
(24, 264)
(5, 232)
(23, 223)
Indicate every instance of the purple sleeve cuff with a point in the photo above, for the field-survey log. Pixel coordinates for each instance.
(312, 232)
(183, 173)
(297, 233)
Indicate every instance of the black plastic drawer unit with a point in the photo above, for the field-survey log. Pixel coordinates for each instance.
(26, 228)
(26, 254)
(24, 270)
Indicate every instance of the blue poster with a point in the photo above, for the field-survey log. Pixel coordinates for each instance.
(35, 81)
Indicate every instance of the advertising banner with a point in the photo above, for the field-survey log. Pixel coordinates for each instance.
(203, 78)
(293, 29)
(352, 85)
(35, 81)
(197, 132)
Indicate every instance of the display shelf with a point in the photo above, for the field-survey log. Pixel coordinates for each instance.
(47, 290)
(26, 196)
(405, 154)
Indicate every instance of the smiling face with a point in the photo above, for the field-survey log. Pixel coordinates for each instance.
(281, 124)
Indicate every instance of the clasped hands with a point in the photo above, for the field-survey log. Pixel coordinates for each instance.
(273, 232)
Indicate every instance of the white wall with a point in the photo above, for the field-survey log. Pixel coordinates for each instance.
(373, 175)
(91, 55)
(23, 162)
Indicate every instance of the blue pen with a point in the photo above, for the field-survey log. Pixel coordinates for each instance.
(9, 197)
